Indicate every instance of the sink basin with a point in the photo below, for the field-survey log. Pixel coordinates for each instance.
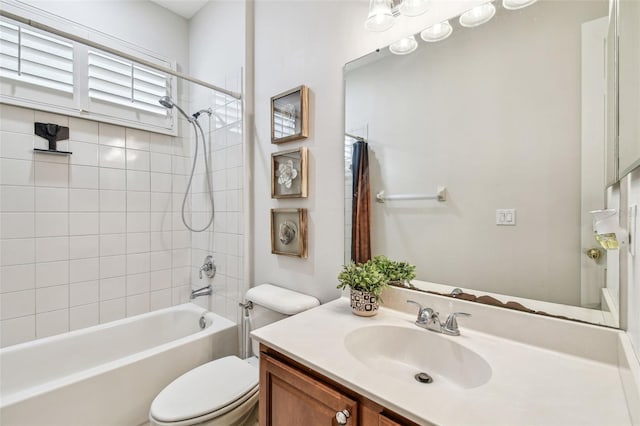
(402, 352)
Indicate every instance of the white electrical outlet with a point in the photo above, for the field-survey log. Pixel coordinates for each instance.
(631, 228)
(506, 217)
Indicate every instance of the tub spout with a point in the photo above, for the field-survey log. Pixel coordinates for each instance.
(203, 291)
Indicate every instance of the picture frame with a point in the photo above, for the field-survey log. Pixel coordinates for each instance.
(289, 232)
(290, 115)
(289, 171)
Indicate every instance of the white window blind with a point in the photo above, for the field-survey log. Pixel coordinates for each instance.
(34, 58)
(123, 83)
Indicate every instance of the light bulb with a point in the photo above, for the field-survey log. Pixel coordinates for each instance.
(437, 32)
(380, 17)
(404, 46)
(413, 7)
(517, 4)
(478, 15)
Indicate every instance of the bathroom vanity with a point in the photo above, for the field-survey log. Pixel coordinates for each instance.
(505, 368)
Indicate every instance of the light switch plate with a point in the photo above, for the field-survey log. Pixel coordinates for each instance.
(632, 218)
(506, 217)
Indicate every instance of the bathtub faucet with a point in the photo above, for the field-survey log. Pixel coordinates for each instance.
(203, 291)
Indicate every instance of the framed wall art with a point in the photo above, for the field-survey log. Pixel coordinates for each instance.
(289, 174)
(289, 232)
(290, 115)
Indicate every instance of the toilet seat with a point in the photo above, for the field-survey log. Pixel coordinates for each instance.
(206, 392)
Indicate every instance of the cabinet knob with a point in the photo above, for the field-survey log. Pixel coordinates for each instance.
(342, 417)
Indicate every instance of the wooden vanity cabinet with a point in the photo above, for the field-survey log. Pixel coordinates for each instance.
(294, 395)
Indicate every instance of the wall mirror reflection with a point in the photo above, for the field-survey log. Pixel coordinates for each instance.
(511, 116)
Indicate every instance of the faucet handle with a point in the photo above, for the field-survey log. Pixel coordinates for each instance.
(424, 314)
(451, 324)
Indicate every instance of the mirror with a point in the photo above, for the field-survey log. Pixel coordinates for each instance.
(510, 117)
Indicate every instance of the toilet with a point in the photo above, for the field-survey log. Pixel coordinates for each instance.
(224, 392)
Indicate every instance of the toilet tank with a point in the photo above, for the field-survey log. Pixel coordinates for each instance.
(272, 303)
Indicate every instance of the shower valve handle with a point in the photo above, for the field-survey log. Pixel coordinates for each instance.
(208, 267)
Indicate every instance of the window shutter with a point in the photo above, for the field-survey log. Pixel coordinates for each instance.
(34, 58)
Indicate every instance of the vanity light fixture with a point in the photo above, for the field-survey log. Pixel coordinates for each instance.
(517, 4)
(404, 46)
(380, 15)
(437, 32)
(414, 7)
(478, 15)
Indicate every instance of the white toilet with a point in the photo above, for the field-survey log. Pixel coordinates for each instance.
(224, 392)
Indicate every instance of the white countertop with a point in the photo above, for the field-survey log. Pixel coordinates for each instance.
(528, 385)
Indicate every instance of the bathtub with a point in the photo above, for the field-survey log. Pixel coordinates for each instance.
(108, 374)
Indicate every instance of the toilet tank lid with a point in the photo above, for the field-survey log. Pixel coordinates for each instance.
(280, 299)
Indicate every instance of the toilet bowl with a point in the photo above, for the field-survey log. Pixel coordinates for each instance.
(224, 392)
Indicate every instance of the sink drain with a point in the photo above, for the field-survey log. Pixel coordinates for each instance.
(423, 378)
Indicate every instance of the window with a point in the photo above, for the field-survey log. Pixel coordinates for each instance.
(42, 71)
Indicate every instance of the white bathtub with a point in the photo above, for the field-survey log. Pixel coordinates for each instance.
(110, 373)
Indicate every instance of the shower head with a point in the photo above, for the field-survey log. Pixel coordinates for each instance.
(168, 103)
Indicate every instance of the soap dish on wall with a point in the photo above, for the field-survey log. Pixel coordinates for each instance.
(52, 133)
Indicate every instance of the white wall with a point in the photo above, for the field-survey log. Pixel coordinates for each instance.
(630, 274)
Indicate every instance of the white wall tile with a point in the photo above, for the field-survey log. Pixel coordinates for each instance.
(52, 249)
(17, 304)
(84, 316)
(84, 223)
(138, 181)
(84, 293)
(159, 260)
(112, 157)
(16, 119)
(137, 160)
(115, 179)
(51, 118)
(52, 224)
(161, 182)
(84, 154)
(17, 225)
(160, 163)
(160, 240)
(16, 145)
(17, 198)
(137, 139)
(113, 244)
(112, 288)
(159, 280)
(51, 174)
(138, 263)
(138, 242)
(83, 130)
(138, 201)
(52, 323)
(84, 270)
(52, 199)
(112, 266)
(17, 330)
(160, 202)
(138, 222)
(111, 310)
(83, 177)
(161, 222)
(161, 143)
(17, 278)
(113, 201)
(113, 223)
(52, 273)
(111, 135)
(82, 247)
(52, 298)
(84, 200)
(138, 304)
(16, 172)
(138, 283)
(159, 299)
(17, 251)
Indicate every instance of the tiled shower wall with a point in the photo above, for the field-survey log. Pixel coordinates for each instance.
(92, 237)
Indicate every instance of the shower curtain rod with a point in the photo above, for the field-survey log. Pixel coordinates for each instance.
(116, 52)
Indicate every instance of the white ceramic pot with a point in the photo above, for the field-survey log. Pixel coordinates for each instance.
(363, 303)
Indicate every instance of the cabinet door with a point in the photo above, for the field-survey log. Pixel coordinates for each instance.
(289, 397)
(386, 421)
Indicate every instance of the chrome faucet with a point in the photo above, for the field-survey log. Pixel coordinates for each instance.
(430, 320)
(209, 267)
(203, 291)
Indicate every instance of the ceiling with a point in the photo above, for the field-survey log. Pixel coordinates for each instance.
(184, 8)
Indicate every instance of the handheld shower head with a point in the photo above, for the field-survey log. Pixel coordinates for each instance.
(168, 103)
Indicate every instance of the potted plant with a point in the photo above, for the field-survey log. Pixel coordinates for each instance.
(366, 283)
(397, 273)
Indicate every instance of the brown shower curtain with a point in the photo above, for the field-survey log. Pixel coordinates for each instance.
(361, 209)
